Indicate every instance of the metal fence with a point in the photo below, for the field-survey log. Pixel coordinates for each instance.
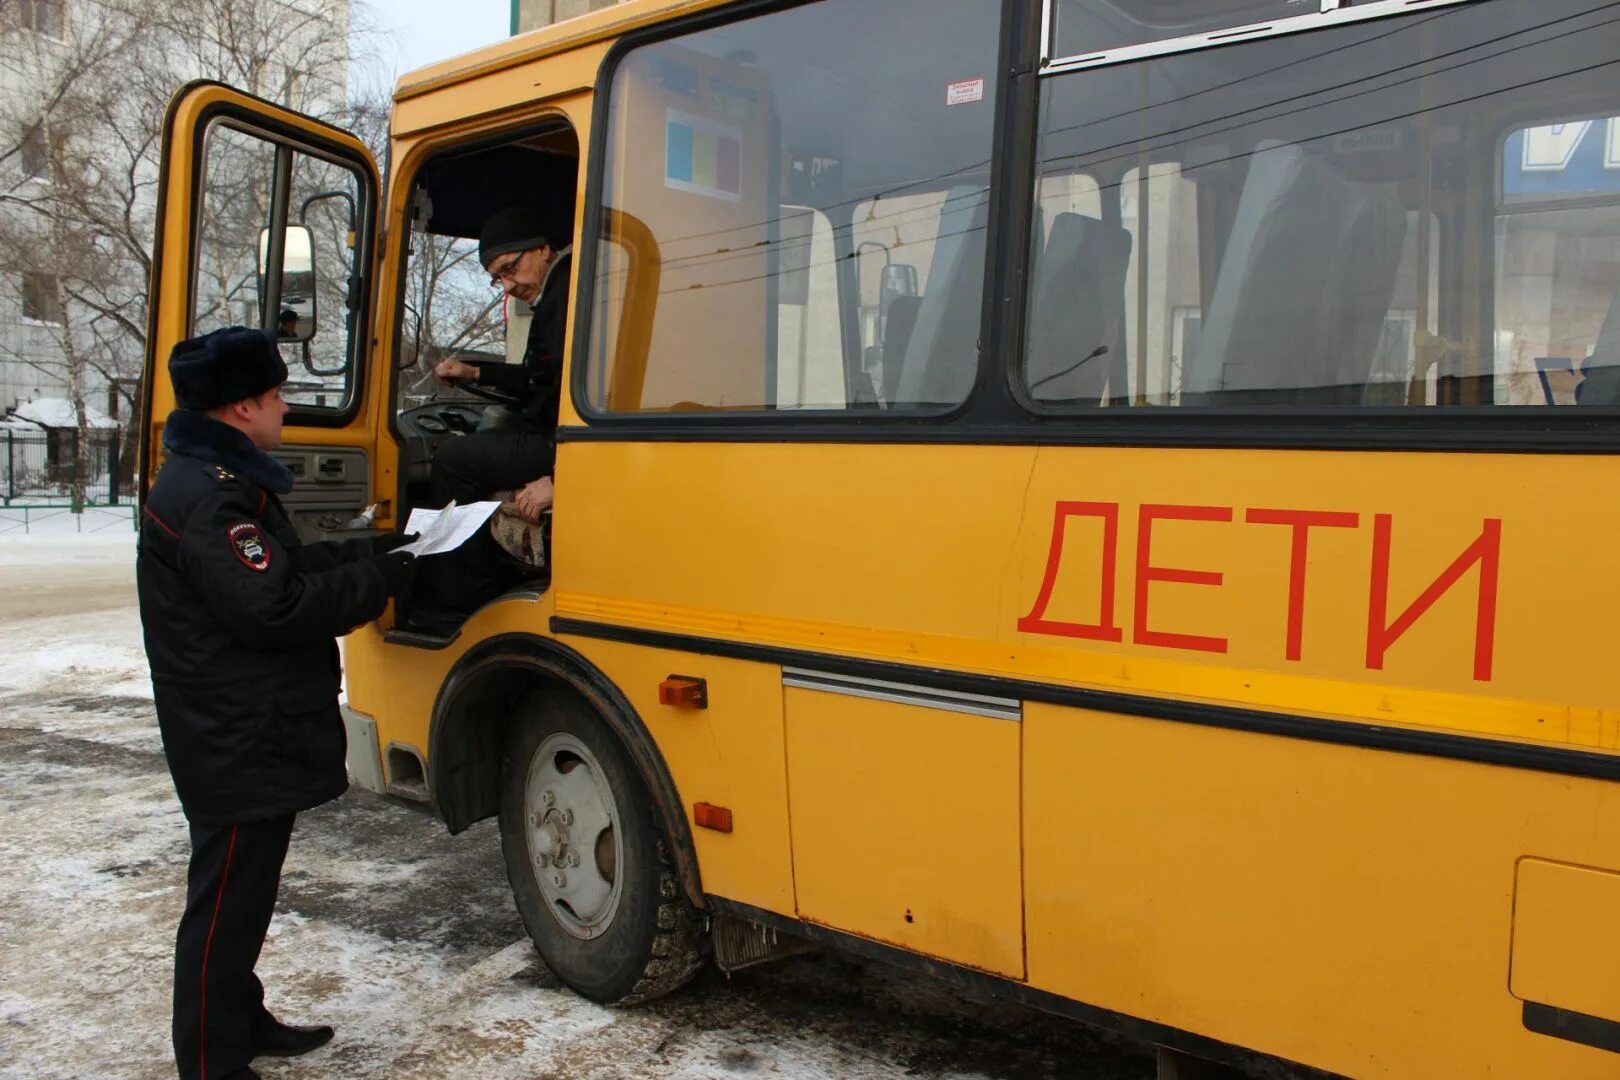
(37, 467)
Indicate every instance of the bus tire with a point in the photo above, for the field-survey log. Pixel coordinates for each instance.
(587, 860)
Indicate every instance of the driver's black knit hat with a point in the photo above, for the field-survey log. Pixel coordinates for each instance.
(516, 228)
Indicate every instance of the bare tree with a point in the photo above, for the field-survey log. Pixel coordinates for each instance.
(57, 96)
(90, 97)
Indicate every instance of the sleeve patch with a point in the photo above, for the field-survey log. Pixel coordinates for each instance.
(248, 543)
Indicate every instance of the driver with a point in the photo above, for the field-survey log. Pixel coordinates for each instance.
(522, 263)
(518, 456)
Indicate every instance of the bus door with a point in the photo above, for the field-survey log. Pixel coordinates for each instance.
(267, 218)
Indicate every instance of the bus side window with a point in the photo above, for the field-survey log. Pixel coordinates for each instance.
(796, 183)
(1310, 214)
(1558, 249)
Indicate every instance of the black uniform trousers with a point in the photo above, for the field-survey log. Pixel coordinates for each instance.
(230, 896)
(467, 469)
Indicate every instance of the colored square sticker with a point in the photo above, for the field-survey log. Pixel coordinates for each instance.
(702, 156)
(704, 171)
(678, 152)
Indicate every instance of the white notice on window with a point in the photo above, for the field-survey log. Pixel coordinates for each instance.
(965, 92)
(445, 530)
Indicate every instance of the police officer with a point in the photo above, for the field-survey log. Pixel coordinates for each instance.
(240, 620)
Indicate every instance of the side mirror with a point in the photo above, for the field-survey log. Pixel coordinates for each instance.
(296, 315)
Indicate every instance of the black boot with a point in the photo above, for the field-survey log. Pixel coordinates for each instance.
(272, 1038)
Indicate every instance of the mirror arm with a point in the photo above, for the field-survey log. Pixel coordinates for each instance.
(324, 373)
(303, 210)
(352, 292)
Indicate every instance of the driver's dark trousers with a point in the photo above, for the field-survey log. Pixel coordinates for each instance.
(468, 468)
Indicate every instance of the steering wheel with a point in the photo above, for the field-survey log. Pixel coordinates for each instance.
(491, 394)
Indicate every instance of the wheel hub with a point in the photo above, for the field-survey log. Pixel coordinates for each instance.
(573, 837)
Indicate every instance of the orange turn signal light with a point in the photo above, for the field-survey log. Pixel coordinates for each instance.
(684, 692)
(713, 817)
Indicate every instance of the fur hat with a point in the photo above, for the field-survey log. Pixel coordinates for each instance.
(513, 229)
(225, 366)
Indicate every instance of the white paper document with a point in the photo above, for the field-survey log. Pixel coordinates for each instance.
(445, 530)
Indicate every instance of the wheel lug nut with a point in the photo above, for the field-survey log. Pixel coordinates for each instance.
(567, 817)
(534, 821)
(558, 879)
(547, 797)
(540, 860)
(573, 859)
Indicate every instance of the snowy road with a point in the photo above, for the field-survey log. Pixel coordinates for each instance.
(402, 937)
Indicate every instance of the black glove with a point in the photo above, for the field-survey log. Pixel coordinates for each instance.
(398, 568)
(387, 542)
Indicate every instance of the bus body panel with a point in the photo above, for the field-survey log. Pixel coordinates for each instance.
(1076, 592)
(906, 825)
(1344, 907)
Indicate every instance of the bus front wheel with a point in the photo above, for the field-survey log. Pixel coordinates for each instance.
(587, 860)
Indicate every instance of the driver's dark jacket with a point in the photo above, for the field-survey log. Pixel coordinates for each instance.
(240, 620)
(537, 381)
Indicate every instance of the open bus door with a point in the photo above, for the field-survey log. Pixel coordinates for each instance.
(267, 217)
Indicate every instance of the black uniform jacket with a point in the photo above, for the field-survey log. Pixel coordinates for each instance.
(240, 622)
(537, 382)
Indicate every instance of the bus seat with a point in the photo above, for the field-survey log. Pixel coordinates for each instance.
(1079, 292)
(1602, 383)
(1306, 281)
(942, 356)
(896, 336)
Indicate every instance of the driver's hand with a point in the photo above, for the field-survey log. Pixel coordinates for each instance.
(534, 499)
(453, 370)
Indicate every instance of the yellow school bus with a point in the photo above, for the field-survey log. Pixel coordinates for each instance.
(1109, 504)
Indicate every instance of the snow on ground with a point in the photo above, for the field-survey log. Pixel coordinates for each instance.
(75, 595)
(401, 936)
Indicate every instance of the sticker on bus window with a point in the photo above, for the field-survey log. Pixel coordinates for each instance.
(702, 157)
(964, 93)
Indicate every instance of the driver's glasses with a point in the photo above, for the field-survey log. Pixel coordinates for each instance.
(500, 272)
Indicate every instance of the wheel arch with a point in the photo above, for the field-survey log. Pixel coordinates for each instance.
(471, 715)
